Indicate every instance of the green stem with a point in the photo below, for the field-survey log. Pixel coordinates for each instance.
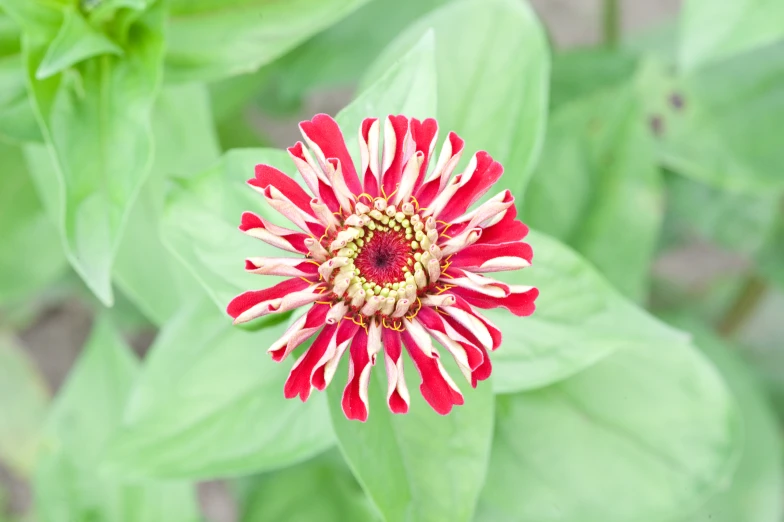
(611, 22)
(745, 303)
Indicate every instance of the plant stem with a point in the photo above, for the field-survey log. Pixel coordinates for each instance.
(611, 22)
(745, 303)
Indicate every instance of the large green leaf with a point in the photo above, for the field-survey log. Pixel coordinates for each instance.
(87, 411)
(332, 58)
(580, 72)
(332, 494)
(579, 320)
(201, 218)
(213, 39)
(145, 270)
(31, 255)
(407, 87)
(420, 466)
(772, 252)
(711, 30)
(720, 125)
(754, 492)
(646, 434)
(210, 403)
(76, 41)
(597, 187)
(493, 73)
(96, 122)
(736, 221)
(23, 401)
(17, 121)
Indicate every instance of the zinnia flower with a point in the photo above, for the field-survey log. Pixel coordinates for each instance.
(392, 259)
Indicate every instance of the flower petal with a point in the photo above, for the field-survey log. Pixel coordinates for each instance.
(398, 397)
(282, 266)
(355, 395)
(287, 197)
(398, 147)
(272, 234)
(285, 296)
(299, 332)
(451, 153)
(324, 137)
(519, 301)
(466, 188)
(300, 379)
(493, 258)
(425, 135)
(314, 175)
(368, 149)
(324, 373)
(437, 387)
(467, 355)
(267, 176)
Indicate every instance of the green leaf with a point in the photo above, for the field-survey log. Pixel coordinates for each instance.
(419, 466)
(493, 70)
(332, 494)
(754, 492)
(736, 221)
(580, 319)
(580, 72)
(408, 86)
(201, 218)
(772, 252)
(23, 401)
(31, 256)
(710, 31)
(214, 39)
(76, 41)
(597, 187)
(210, 403)
(332, 58)
(86, 413)
(96, 122)
(17, 120)
(719, 126)
(646, 434)
(181, 122)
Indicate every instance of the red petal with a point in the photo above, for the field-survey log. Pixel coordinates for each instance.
(486, 173)
(430, 189)
(325, 192)
(353, 405)
(434, 387)
(424, 134)
(393, 350)
(346, 330)
(299, 380)
(248, 300)
(276, 236)
(371, 182)
(520, 303)
(393, 174)
(314, 319)
(475, 256)
(325, 132)
(270, 176)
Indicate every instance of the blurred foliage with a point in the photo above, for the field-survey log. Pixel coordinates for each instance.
(129, 127)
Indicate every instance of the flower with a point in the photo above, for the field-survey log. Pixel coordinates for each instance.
(392, 259)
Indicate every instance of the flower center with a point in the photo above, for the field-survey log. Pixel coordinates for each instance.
(382, 259)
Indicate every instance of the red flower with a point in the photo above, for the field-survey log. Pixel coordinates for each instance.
(392, 259)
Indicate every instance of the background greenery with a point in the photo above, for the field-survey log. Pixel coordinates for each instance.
(647, 386)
